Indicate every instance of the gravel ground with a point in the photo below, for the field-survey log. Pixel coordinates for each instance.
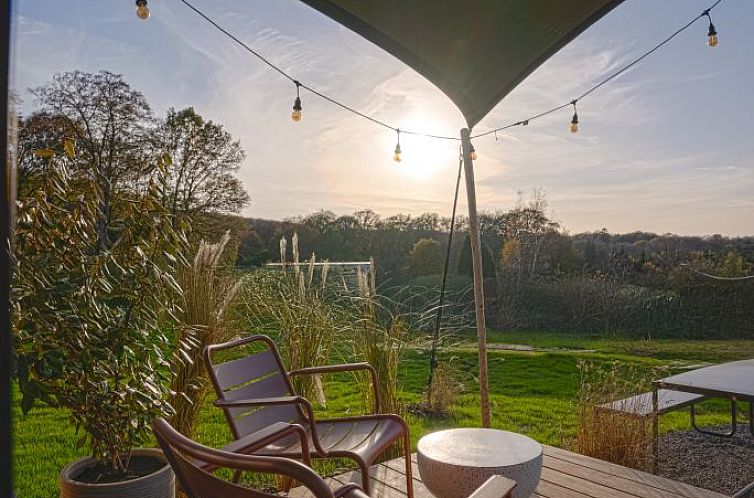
(720, 464)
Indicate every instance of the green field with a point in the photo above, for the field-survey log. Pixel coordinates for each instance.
(532, 392)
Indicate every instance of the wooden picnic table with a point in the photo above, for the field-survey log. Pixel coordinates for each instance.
(564, 475)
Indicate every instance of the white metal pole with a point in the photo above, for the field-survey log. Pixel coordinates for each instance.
(476, 261)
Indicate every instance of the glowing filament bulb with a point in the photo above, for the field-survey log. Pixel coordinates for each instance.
(575, 123)
(575, 119)
(296, 114)
(712, 40)
(397, 153)
(142, 10)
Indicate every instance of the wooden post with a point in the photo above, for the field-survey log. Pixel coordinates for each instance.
(476, 261)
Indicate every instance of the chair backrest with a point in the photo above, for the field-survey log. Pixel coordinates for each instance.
(260, 374)
(185, 455)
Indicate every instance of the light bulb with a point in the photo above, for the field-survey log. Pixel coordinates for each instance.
(472, 153)
(712, 36)
(142, 10)
(296, 114)
(397, 155)
(575, 123)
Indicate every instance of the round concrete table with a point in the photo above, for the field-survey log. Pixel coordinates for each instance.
(455, 462)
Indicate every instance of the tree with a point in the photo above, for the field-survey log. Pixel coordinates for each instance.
(204, 159)
(108, 124)
(426, 258)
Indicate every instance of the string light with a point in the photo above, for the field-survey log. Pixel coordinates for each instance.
(296, 114)
(397, 154)
(575, 120)
(472, 152)
(712, 40)
(142, 10)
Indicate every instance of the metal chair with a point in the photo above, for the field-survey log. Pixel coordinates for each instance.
(255, 391)
(193, 463)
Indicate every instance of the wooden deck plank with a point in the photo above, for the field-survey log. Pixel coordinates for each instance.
(596, 476)
(564, 475)
(661, 483)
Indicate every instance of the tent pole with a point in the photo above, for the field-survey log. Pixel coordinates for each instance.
(476, 261)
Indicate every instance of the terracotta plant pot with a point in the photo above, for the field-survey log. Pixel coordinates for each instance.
(159, 484)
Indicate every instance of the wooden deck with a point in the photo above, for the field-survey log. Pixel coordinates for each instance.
(564, 475)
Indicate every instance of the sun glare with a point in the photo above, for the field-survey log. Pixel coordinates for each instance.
(422, 157)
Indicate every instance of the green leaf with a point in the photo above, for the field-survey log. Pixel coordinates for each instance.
(69, 146)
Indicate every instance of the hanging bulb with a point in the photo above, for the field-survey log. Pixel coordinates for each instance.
(575, 123)
(296, 114)
(397, 153)
(712, 40)
(472, 153)
(142, 10)
(575, 119)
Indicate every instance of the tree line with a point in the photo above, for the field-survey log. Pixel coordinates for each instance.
(537, 275)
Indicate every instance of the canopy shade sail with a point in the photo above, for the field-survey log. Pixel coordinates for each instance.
(475, 51)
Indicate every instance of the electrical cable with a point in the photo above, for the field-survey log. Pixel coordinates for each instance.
(522, 122)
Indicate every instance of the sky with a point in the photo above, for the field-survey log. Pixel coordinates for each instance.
(667, 147)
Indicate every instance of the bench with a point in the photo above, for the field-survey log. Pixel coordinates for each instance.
(495, 487)
(641, 404)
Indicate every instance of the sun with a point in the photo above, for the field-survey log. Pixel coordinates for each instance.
(423, 157)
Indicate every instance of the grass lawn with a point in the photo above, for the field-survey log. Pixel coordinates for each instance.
(530, 392)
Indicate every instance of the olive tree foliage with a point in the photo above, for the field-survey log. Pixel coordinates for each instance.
(87, 317)
(109, 125)
(205, 158)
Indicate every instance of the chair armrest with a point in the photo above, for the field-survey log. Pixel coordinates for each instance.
(270, 434)
(346, 367)
(171, 442)
(495, 487)
(281, 400)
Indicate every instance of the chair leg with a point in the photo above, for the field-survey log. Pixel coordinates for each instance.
(365, 484)
(407, 457)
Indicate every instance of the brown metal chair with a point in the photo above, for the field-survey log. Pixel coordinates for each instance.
(255, 391)
(193, 462)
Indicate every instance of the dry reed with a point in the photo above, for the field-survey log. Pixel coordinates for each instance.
(207, 294)
(443, 390)
(380, 338)
(292, 307)
(608, 435)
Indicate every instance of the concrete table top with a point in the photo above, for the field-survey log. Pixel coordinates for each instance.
(453, 463)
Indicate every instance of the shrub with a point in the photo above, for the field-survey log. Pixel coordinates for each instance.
(443, 390)
(88, 310)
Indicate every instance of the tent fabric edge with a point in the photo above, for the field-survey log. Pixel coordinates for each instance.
(473, 113)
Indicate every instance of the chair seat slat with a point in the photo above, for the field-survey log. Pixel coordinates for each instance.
(269, 387)
(235, 372)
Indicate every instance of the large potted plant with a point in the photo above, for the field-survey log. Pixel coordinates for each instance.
(93, 289)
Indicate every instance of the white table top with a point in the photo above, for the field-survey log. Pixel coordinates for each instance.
(735, 378)
(479, 447)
